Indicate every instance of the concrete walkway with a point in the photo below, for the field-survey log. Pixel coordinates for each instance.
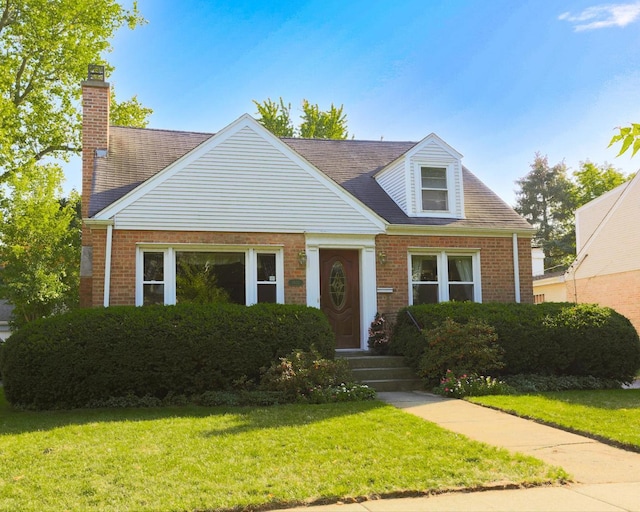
(606, 478)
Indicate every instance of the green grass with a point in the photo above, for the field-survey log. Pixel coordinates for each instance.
(218, 458)
(612, 415)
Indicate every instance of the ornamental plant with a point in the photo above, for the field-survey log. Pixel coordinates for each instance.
(379, 335)
(307, 377)
(454, 386)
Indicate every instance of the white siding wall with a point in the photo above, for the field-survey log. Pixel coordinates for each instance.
(615, 246)
(591, 214)
(394, 183)
(245, 183)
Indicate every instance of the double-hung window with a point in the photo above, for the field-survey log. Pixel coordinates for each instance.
(441, 276)
(218, 274)
(435, 192)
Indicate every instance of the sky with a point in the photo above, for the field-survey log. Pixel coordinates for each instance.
(497, 80)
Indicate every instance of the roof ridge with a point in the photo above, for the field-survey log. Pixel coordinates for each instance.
(161, 130)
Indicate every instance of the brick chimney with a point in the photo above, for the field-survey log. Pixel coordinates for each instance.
(96, 96)
(95, 127)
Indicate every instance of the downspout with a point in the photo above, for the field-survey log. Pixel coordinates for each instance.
(516, 267)
(107, 265)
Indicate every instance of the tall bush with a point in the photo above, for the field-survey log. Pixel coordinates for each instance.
(89, 355)
(545, 339)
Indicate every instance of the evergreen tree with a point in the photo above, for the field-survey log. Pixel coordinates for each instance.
(545, 199)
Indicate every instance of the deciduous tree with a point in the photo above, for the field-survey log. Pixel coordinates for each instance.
(45, 48)
(315, 123)
(40, 248)
(593, 180)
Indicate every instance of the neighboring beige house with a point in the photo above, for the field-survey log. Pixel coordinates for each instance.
(607, 266)
(549, 288)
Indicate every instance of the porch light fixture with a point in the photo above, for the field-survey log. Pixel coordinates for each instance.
(302, 258)
(382, 257)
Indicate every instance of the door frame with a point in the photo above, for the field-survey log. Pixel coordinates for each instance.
(366, 247)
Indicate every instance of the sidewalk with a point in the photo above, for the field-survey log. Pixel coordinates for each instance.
(606, 478)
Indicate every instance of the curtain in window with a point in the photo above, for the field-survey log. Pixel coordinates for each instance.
(464, 266)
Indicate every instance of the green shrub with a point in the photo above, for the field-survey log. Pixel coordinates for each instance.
(542, 383)
(463, 385)
(306, 376)
(461, 348)
(89, 355)
(546, 339)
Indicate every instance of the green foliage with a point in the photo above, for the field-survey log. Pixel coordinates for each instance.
(455, 386)
(46, 47)
(546, 339)
(545, 199)
(315, 123)
(461, 348)
(594, 180)
(40, 248)
(379, 335)
(198, 283)
(533, 383)
(301, 372)
(630, 138)
(275, 117)
(71, 359)
(128, 112)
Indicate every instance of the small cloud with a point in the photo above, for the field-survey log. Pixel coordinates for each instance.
(603, 16)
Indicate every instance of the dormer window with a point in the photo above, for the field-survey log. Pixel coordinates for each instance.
(427, 181)
(434, 189)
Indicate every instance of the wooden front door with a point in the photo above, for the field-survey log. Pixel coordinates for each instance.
(340, 294)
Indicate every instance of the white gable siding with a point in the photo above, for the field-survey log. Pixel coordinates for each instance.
(615, 246)
(589, 216)
(394, 183)
(246, 183)
(433, 153)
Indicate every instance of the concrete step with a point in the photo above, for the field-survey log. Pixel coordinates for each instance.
(369, 361)
(382, 373)
(395, 384)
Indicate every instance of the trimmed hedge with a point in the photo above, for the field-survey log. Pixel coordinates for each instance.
(546, 339)
(89, 355)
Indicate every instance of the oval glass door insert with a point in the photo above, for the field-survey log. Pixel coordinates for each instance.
(338, 285)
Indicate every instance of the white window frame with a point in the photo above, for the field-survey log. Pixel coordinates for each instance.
(442, 259)
(251, 268)
(452, 196)
(445, 189)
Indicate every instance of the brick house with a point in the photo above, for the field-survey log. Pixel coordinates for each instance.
(352, 227)
(606, 270)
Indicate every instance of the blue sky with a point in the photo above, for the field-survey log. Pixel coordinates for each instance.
(497, 80)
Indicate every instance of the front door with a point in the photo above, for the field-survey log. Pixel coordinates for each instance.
(340, 294)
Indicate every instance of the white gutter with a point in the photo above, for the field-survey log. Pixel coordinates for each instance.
(516, 267)
(107, 265)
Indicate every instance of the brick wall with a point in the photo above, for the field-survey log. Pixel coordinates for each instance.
(123, 258)
(496, 262)
(618, 291)
(496, 257)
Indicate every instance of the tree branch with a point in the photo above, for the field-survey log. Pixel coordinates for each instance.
(6, 19)
(41, 154)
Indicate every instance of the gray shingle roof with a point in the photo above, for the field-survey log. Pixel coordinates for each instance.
(136, 154)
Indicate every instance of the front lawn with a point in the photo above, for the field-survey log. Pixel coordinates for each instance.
(608, 414)
(187, 458)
